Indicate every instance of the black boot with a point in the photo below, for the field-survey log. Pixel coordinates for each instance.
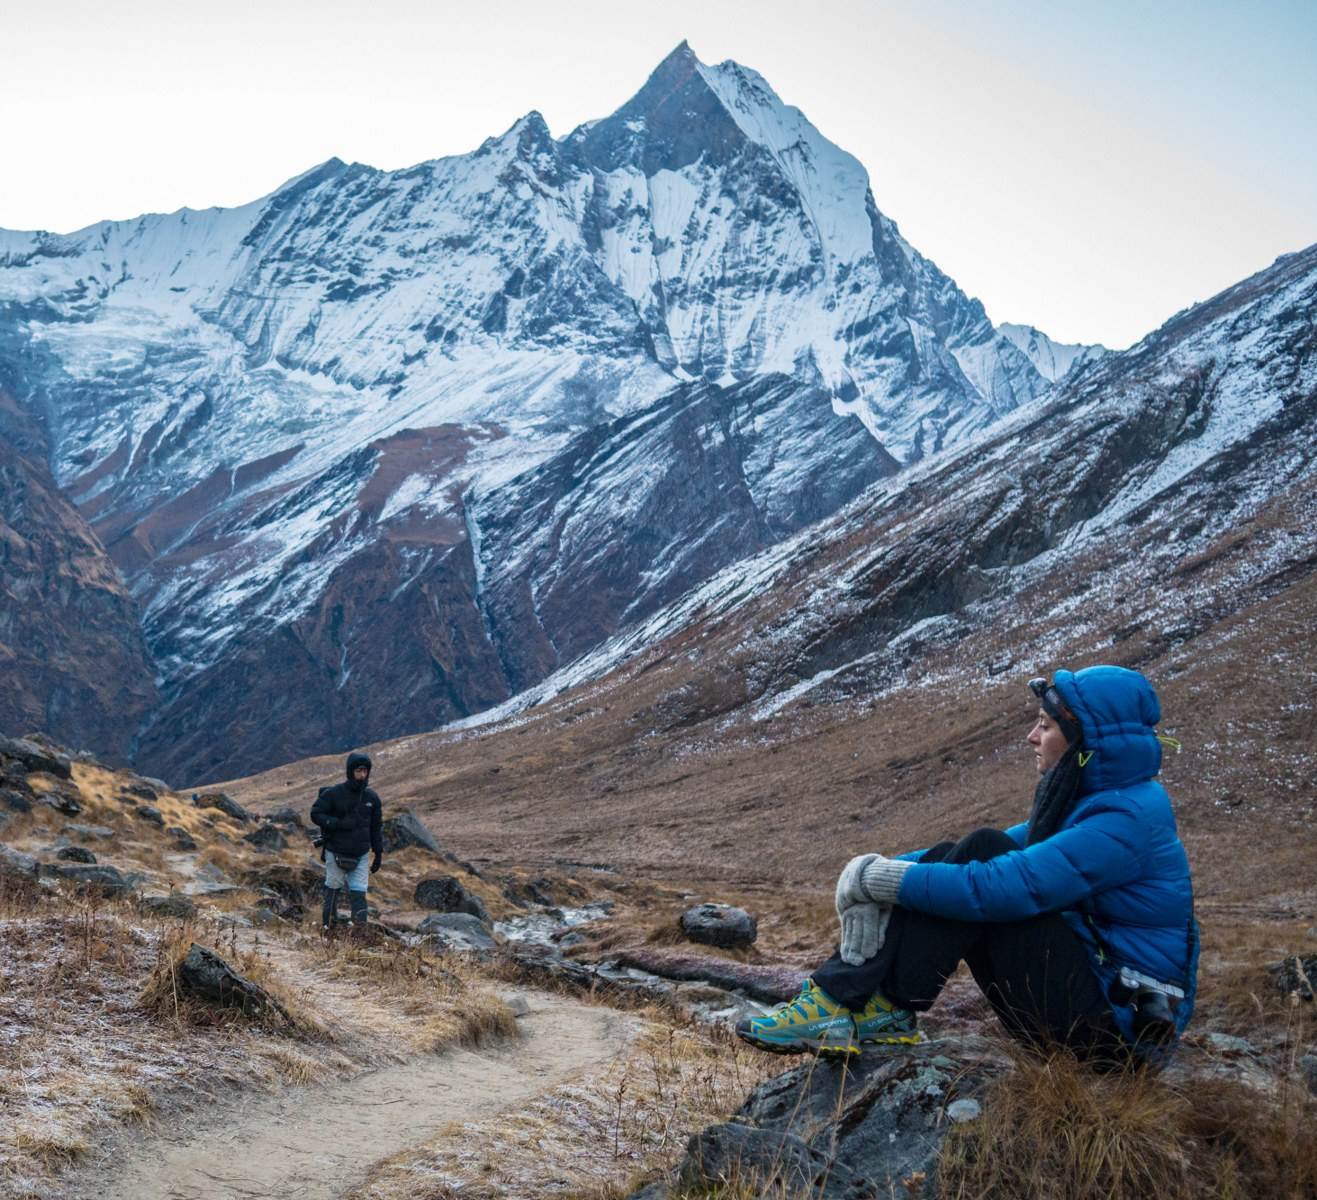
(329, 910)
(359, 911)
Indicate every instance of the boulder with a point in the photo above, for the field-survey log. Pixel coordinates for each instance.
(774, 1162)
(88, 831)
(225, 803)
(147, 813)
(529, 893)
(142, 790)
(276, 905)
(407, 829)
(168, 904)
(1295, 975)
(76, 854)
(719, 925)
(292, 885)
(1308, 1069)
(34, 758)
(869, 1126)
(16, 865)
(267, 837)
(445, 893)
(210, 881)
(457, 931)
(770, 984)
(63, 800)
(100, 880)
(204, 974)
(14, 774)
(13, 799)
(285, 816)
(181, 838)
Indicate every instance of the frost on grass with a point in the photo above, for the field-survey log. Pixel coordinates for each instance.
(592, 1138)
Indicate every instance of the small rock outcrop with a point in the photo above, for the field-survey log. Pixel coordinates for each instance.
(204, 974)
(147, 812)
(769, 984)
(14, 864)
(267, 837)
(34, 758)
(63, 799)
(457, 931)
(225, 803)
(1295, 975)
(446, 894)
(285, 816)
(407, 829)
(168, 904)
(77, 854)
(181, 838)
(719, 925)
(100, 879)
(16, 800)
(869, 1127)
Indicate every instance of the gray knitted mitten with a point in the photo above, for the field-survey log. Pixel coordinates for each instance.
(881, 878)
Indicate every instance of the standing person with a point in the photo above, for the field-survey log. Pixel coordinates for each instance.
(1077, 925)
(350, 821)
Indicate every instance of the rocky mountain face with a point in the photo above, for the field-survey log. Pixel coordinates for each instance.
(382, 448)
(71, 649)
(1158, 511)
(860, 684)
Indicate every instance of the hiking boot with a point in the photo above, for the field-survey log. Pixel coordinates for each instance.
(881, 1023)
(812, 1022)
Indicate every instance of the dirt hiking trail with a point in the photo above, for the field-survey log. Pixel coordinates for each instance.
(318, 1142)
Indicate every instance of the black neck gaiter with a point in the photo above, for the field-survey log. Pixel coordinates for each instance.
(1054, 796)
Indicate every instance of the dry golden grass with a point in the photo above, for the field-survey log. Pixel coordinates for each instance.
(164, 995)
(102, 1037)
(1054, 1130)
(592, 1139)
(442, 997)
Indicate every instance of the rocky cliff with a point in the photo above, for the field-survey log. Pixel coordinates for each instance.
(72, 657)
(309, 431)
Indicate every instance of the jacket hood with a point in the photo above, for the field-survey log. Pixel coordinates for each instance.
(1119, 711)
(357, 760)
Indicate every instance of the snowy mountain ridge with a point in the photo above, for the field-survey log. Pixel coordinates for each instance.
(280, 417)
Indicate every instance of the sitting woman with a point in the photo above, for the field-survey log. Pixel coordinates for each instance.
(1077, 926)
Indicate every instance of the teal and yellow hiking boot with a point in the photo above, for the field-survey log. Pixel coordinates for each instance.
(881, 1023)
(811, 1023)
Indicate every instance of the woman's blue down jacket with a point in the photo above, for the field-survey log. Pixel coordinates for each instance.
(1115, 869)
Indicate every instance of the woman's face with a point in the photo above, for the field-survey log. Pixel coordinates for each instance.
(1048, 742)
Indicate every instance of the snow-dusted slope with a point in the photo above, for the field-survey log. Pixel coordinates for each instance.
(1149, 499)
(1053, 360)
(267, 410)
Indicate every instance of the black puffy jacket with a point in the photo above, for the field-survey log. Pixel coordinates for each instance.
(349, 814)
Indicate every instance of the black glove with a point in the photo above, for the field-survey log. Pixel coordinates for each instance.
(375, 863)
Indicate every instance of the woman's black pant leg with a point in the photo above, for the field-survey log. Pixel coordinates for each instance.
(1034, 973)
(921, 952)
(1037, 978)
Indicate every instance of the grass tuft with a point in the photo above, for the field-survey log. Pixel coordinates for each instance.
(1052, 1129)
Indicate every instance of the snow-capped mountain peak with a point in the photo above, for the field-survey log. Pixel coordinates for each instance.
(370, 374)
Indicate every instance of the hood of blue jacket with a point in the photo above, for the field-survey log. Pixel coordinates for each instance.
(1119, 711)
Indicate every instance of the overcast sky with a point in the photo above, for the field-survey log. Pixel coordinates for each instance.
(1087, 168)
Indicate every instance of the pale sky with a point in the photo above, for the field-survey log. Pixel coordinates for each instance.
(1087, 168)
